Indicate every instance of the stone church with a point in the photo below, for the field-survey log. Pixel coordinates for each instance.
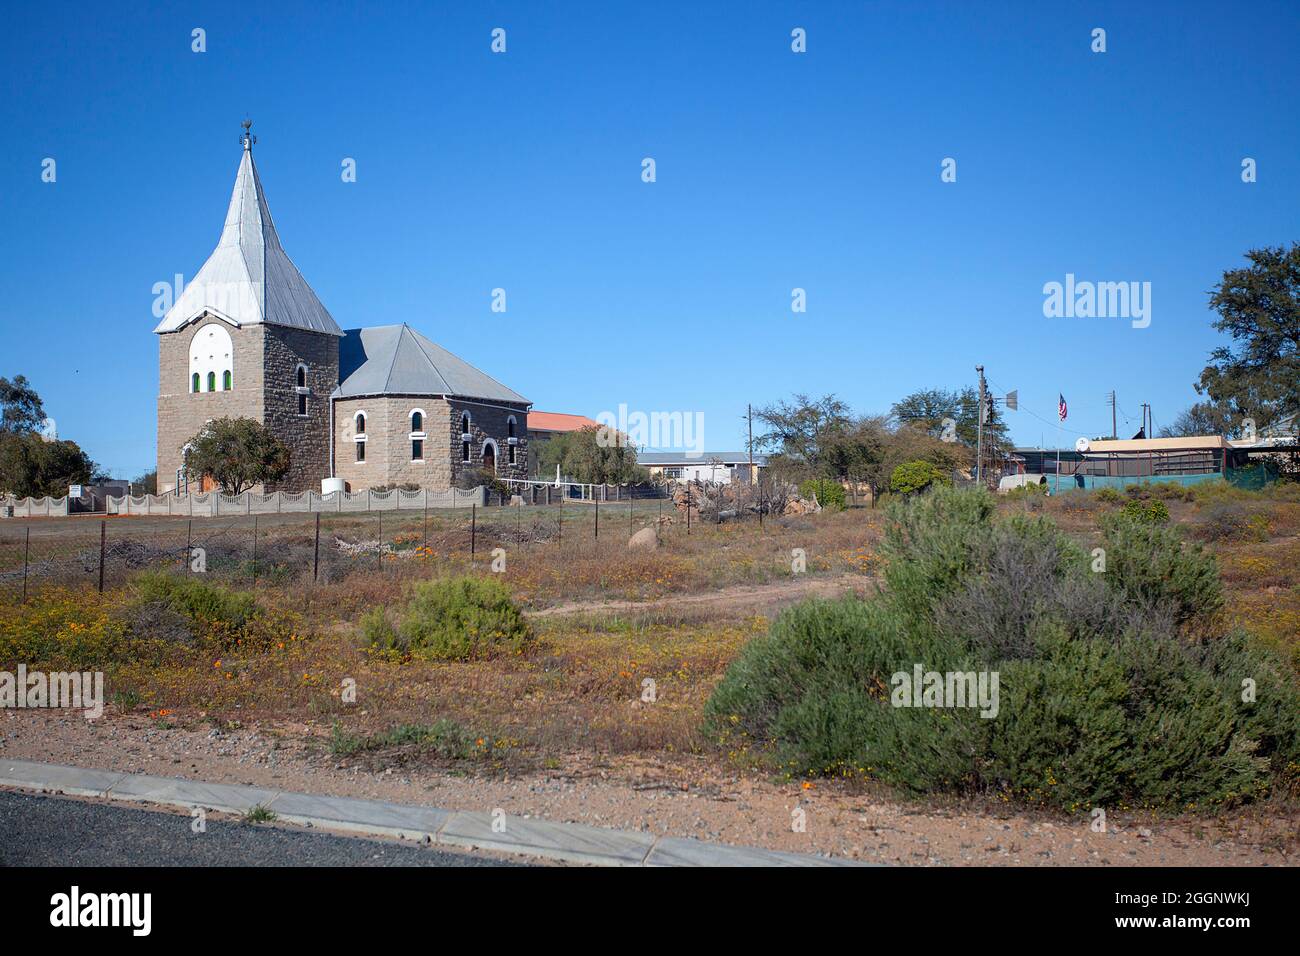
(376, 406)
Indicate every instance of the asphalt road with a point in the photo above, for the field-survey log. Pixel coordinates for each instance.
(53, 831)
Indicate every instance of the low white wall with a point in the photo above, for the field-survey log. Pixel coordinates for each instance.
(212, 503)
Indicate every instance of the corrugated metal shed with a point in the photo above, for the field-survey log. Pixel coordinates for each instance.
(249, 279)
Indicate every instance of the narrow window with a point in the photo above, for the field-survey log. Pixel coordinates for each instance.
(417, 449)
(302, 404)
(194, 382)
(225, 381)
(511, 426)
(361, 451)
(464, 429)
(512, 454)
(302, 376)
(212, 381)
(361, 424)
(417, 422)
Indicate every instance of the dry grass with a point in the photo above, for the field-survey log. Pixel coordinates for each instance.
(578, 691)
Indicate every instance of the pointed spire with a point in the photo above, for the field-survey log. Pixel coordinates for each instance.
(248, 279)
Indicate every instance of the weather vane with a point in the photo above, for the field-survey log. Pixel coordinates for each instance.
(247, 138)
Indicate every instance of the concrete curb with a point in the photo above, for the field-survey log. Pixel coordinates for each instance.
(570, 842)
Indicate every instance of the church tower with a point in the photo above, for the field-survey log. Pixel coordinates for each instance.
(248, 338)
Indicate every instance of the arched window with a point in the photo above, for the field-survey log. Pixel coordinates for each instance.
(211, 351)
(510, 427)
(361, 423)
(464, 441)
(302, 376)
(226, 383)
(417, 421)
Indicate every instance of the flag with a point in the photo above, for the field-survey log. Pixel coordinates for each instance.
(1062, 410)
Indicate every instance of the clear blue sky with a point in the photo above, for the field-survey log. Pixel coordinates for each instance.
(775, 170)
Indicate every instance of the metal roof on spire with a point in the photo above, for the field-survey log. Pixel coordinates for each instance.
(248, 279)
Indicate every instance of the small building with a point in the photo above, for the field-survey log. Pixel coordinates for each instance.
(721, 467)
(1119, 462)
(543, 426)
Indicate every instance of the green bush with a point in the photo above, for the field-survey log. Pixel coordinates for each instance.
(1104, 696)
(913, 476)
(453, 619)
(1152, 569)
(162, 602)
(829, 494)
(444, 737)
(1107, 494)
(1150, 510)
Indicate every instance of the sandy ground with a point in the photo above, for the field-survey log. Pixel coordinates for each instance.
(689, 797)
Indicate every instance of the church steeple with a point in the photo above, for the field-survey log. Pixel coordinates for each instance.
(248, 279)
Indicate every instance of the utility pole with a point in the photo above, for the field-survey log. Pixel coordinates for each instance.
(1114, 429)
(750, 415)
(979, 430)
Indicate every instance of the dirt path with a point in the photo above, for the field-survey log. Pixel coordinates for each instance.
(740, 598)
(678, 795)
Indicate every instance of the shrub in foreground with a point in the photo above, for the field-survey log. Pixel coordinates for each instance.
(1106, 696)
(456, 618)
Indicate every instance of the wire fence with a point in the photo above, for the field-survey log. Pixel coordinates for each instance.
(289, 549)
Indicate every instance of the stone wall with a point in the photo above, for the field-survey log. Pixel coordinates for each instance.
(490, 422)
(388, 441)
(182, 414)
(307, 436)
(264, 388)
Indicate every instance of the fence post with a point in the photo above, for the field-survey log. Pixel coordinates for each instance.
(688, 507)
(27, 547)
(103, 533)
(379, 525)
(189, 546)
(425, 532)
(473, 529)
(315, 558)
(760, 506)
(629, 509)
(559, 536)
(597, 503)
(254, 552)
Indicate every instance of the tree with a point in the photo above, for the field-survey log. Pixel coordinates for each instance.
(800, 431)
(1257, 375)
(588, 455)
(236, 453)
(146, 484)
(928, 408)
(31, 467)
(913, 476)
(1202, 418)
(21, 410)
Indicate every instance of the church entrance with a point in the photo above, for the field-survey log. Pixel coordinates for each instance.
(489, 459)
(207, 484)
